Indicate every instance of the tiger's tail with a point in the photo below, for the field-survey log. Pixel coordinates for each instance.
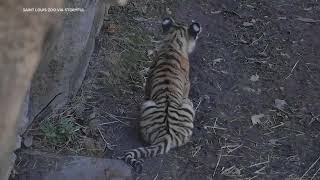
(135, 157)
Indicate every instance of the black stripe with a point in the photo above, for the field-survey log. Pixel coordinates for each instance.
(179, 115)
(181, 125)
(172, 49)
(158, 130)
(166, 63)
(153, 124)
(187, 110)
(159, 76)
(160, 148)
(166, 82)
(154, 112)
(172, 57)
(185, 32)
(166, 69)
(178, 120)
(181, 33)
(149, 107)
(179, 43)
(159, 92)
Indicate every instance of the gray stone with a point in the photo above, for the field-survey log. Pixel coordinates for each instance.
(12, 160)
(24, 119)
(18, 142)
(27, 141)
(51, 167)
(65, 57)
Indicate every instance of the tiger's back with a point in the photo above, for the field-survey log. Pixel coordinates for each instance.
(167, 114)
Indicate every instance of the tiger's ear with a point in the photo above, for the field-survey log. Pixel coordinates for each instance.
(167, 24)
(194, 29)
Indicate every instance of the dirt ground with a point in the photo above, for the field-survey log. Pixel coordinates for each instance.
(255, 81)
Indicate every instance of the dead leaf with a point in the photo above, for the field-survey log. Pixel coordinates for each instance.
(254, 78)
(215, 12)
(247, 24)
(215, 61)
(28, 141)
(279, 103)
(112, 28)
(255, 119)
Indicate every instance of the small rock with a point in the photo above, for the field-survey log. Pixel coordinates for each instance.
(94, 124)
(255, 119)
(253, 21)
(105, 73)
(281, 88)
(286, 55)
(251, 90)
(168, 11)
(282, 18)
(243, 41)
(144, 9)
(274, 142)
(254, 78)
(215, 12)
(278, 103)
(89, 143)
(206, 98)
(307, 9)
(93, 115)
(18, 142)
(12, 160)
(27, 141)
(215, 61)
(150, 52)
(263, 54)
(247, 24)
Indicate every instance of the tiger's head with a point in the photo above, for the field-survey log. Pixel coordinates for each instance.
(182, 37)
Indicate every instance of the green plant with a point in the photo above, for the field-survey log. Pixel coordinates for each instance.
(58, 130)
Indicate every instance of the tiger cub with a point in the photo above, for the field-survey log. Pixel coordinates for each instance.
(167, 113)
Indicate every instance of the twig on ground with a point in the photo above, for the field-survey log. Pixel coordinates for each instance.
(113, 117)
(256, 40)
(276, 126)
(257, 164)
(107, 123)
(314, 175)
(232, 12)
(215, 169)
(107, 145)
(314, 163)
(295, 65)
(110, 115)
(199, 103)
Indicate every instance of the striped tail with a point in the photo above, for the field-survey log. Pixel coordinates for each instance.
(134, 157)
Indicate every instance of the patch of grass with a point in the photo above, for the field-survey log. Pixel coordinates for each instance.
(58, 131)
(128, 58)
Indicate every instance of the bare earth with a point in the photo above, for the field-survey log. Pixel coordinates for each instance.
(255, 77)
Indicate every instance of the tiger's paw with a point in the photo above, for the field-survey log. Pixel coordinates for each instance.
(138, 166)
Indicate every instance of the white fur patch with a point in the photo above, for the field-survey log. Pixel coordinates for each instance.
(191, 46)
(166, 21)
(147, 104)
(122, 2)
(196, 27)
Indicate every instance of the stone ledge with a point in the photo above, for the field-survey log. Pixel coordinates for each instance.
(44, 166)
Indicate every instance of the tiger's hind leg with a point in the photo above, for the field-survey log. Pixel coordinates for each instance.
(188, 102)
(187, 115)
(148, 104)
